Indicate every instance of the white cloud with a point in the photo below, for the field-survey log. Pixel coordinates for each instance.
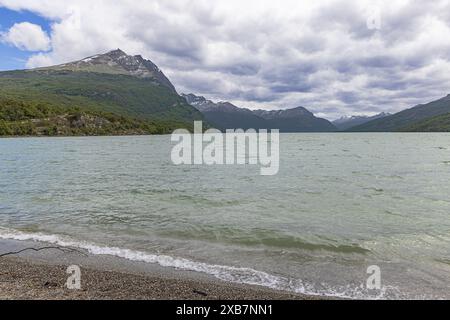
(27, 36)
(268, 54)
(38, 60)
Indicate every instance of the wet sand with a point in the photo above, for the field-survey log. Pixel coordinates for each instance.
(41, 275)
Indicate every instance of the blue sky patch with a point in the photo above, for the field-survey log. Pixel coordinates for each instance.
(12, 58)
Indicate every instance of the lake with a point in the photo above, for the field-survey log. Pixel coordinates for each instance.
(339, 204)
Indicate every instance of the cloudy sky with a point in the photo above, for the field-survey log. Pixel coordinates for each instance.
(335, 57)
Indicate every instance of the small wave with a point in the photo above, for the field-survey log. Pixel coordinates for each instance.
(444, 261)
(260, 236)
(226, 273)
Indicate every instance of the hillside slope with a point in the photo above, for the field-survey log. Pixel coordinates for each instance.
(346, 123)
(18, 118)
(118, 62)
(439, 123)
(102, 87)
(297, 119)
(409, 117)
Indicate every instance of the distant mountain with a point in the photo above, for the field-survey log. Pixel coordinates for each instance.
(224, 115)
(118, 62)
(295, 120)
(345, 123)
(114, 82)
(408, 118)
(439, 123)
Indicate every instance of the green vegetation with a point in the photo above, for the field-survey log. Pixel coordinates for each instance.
(19, 118)
(406, 118)
(119, 94)
(435, 124)
(61, 102)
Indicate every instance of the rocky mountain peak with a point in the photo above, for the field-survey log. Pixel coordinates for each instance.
(204, 105)
(119, 62)
(115, 54)
(286, 113)
(347, 122)
(193, 99)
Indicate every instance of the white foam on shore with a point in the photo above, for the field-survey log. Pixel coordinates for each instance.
(226, 273)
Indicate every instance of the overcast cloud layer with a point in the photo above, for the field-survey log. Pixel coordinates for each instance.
(267, 54)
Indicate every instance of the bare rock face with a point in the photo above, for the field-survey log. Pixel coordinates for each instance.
(86, 121)
(118, 62)
(203, 105)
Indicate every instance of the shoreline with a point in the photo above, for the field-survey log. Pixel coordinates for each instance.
(41, 275)
(84, 136)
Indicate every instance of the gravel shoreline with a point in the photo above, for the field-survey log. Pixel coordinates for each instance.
(42, 275)
(21, 279)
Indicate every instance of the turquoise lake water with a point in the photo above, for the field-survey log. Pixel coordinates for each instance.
(340, 203)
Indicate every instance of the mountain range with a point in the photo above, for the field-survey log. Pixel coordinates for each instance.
(117, 93)
(224, 115)
(430, 117)
(345, 123)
